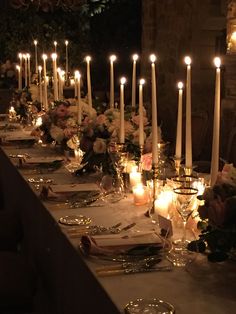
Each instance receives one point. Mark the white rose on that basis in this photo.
(57, 133)
(99, 146)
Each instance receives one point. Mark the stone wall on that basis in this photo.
(173, 29)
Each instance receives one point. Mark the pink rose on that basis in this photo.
(146, 161)
(101, 119)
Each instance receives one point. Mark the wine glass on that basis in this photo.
(111, 189)
(184, 198)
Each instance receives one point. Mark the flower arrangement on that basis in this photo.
(218, 218)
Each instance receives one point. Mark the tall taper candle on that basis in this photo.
(45, 82)
(112, 97)
(20, 75)
(178, 145)
(55, 81)
(155, 139)
(67, 61)
(141, 126)
(76, 83)
(29, 70)
(36, 56)
(40, 85)
(18, 70)
(122, 110)
(133, 99)
(88, 59)
(188, 131)
(79, 109)
(26, 70)
(216, 126)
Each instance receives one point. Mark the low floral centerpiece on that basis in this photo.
(218, 218)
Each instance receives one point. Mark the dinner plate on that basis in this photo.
(75, 220)
(149, 306)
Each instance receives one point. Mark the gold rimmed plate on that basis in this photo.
(75, 220)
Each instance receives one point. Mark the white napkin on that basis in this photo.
(42, 160)
(83, 187)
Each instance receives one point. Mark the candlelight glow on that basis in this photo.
(233, 36)
(217, 62)
(55, 43)
(153, 58)
(39, 122)
(88, 59)
(54, 56)
(35, 42)
(180, 85)
(28, 55)
(135, 57)
(44, 57)
(187, 60)
(66, 42)
(112, 58)
(77, 75)
(142, 81)
(18, 67)
(123, 80)
(20, 55)
(39, 68)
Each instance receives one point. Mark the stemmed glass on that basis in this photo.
(184, 198)
(118, 156)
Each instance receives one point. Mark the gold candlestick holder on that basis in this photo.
(188, 171)
(177, 161)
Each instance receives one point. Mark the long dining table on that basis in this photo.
(68, 281)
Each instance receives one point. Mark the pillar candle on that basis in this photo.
(133, 101)
(141, 126)
(178, 146)
(26, 70)
(29, 70)
(135, 177)
(55, 82)
(122, 110)
(20, 72)
(188, 139)
(55, 46)
(112, 97)
(216, 126)
(154, 113)
(67, 61)
(45, 82)
(88, 59)
(40, 85)
(36, 56)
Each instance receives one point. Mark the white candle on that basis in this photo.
(67, 61)
(55, 82)
(135, 177)
(122, 110)
(178, 146)
(112, 97)
(141, 195)
(45, 82)
(216, 126)
(60, 94)
(55, 46)
(164, 202)
(88, 59)
(133, 101)
(154, 113)
(40, 85)
(26, 70)
(36, 56)
(29, 71)
(20, 72)
(188, 140)
(141, 126)
(79, 111)
(75, 84)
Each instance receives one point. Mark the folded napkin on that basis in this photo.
(82, 187)
(118, 243)
(42, 160)
(22, 137)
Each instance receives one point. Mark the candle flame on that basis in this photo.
(233, 36)
(39, 68)
(217, 62)
(20, 55)
(18, 67)
(113, 58)
(55, 43)
(59, 70)
(187, 60)
(66, 42)
(28, 55)
(180, 85)
(88, 59)
(153, 58)
(142, 81)
(122, 80)
(54, 56)
(77, 75)
(135, 57)
(35, 42)
(44, 57)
